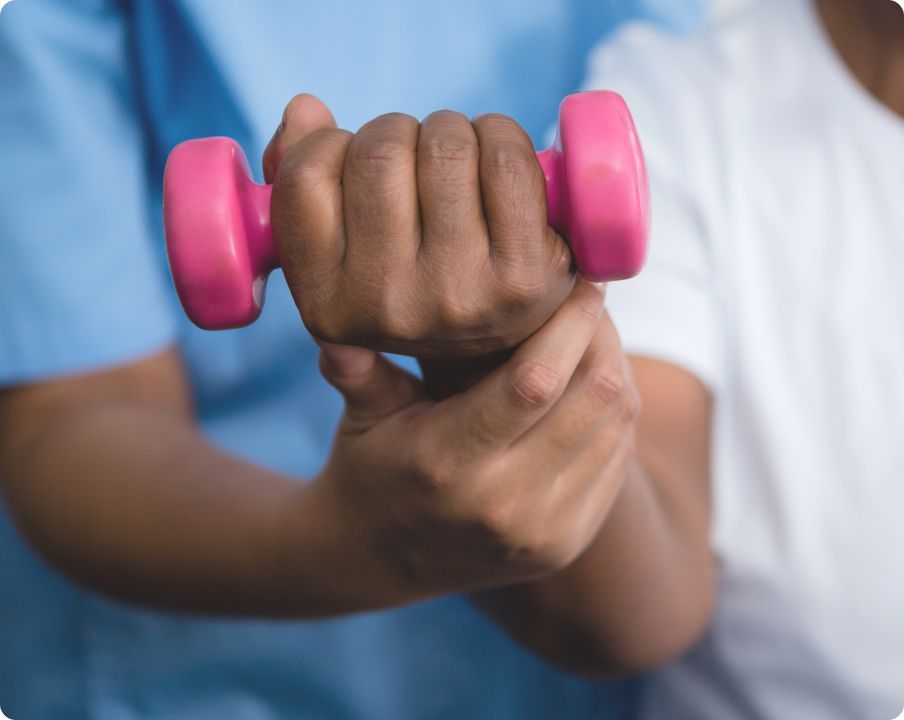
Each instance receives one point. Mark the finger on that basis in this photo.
(511, 400)
(307, 220)
(600, 393)
(584, 493)
(372, 386)
(382, 217)
(452, 222)
(303, 115)
(605, 472)
(593, 483)
(513, 189)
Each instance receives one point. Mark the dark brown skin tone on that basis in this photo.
(428, 239)
(643, 591)
(653, 546)
(542, 476)
(506, 482)
(869, 36)
(108, 478)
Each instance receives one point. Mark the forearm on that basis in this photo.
(638, 596)
(134, 503)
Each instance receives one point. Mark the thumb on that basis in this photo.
(373, 387)
(303, 115)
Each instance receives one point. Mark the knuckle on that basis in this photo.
(447, 116)
(393, 317)
(461, 310)
(449, 148)
(528, 542)
(430, 470)
(525, 277)
(309, 163)
(326, 312)
(525, 249)
(398, 122)
(630, 405)
(612, 388)
(496, 522)
(496, 125)
(506, 159)
(381, 147)
(534, 385)
(521, 289)
(377, 153)
(561, 259)
(298, 175)
(322, 323)
(551, 553)
(607, 385)
(544, 548)
(457, 316)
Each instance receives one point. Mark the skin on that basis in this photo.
(503, 483)
(664, 575)
(576, 519)
(427, 239)
(613, 612)
(869, 37)
(108, 477)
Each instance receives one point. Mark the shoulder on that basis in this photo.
(706, 102)
(746, 44)
(688, 86)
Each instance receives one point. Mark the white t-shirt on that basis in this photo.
(776, 275)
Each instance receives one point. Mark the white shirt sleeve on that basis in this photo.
(669, 312)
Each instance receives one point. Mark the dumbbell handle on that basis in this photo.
(221, 248)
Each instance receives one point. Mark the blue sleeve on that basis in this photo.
(81, 285)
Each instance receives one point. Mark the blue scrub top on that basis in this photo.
(93, 94)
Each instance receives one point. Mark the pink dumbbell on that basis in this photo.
(221, 247)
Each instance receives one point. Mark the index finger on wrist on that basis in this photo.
(512, 399)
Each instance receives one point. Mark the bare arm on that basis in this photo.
(500, 483)
(109, 479)
(643, 591)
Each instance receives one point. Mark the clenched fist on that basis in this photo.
(428, 239)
